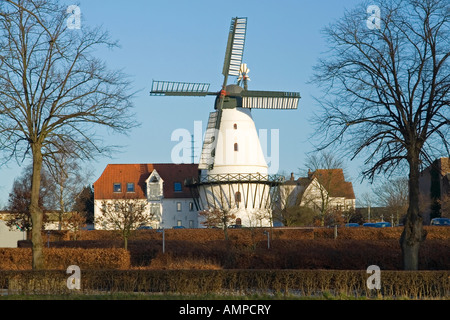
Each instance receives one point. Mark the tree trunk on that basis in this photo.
(413, 233)
(61, 206)
(225, 232)
(35, 210)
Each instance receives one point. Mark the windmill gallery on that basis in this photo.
(232, 174)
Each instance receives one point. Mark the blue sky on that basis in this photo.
(185, 41)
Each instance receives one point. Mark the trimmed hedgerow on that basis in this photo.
(394, 284)
(341, 254)
(61, 258)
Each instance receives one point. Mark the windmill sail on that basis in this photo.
(171, 88)
(235, 47)
(209, 143)
(270, 100)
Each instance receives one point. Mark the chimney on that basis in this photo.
(309, 173)
(292, 176)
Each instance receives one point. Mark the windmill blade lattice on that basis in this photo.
(269, 99)
(171, 88)
(235, 47)
(209, 142)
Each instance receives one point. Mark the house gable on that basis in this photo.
(154, 186)
(333, 181)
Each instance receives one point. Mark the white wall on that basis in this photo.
(169, 214)
(9, 238)
(249, 158)
(98, 211)
(171, 217)
(254, 195)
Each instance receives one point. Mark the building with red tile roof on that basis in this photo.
(160, 187)
(322, 190)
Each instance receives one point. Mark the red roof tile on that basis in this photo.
(334, 182)
(137, 174)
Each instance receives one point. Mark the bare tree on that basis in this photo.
(323, 166)
(54, 91)
(124, 215)
(20, 197)
(386, 94)
(68, 178)
(445, 206)
(296, 205)
(367, 199)
(218, 218)
(74, 222)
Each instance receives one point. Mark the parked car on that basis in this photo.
(382, 224)
(145, 228)
(352, 224)
(178, 227)
(235, 226)
(440, 222)
(369, 224)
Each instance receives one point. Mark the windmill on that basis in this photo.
(232, 163)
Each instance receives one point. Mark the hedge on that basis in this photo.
(340, 254)
(61, 258)
(394, 284)
(250, 235)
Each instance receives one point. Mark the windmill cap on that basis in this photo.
(231, 102)
(234, 89)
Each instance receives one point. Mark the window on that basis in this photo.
(155, 210)
(235, 126)
(191, 206)
(178, 206)
(130, 187)
(179, 223)
(117, 187)
(177, 187)
(235, 147)
(191, 223)
(154, 191)
(237, 197)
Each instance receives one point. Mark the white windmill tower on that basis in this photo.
(233, 173)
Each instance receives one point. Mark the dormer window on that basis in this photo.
(117, 187)
(153, 191)
(154, 187)
(130, 187)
